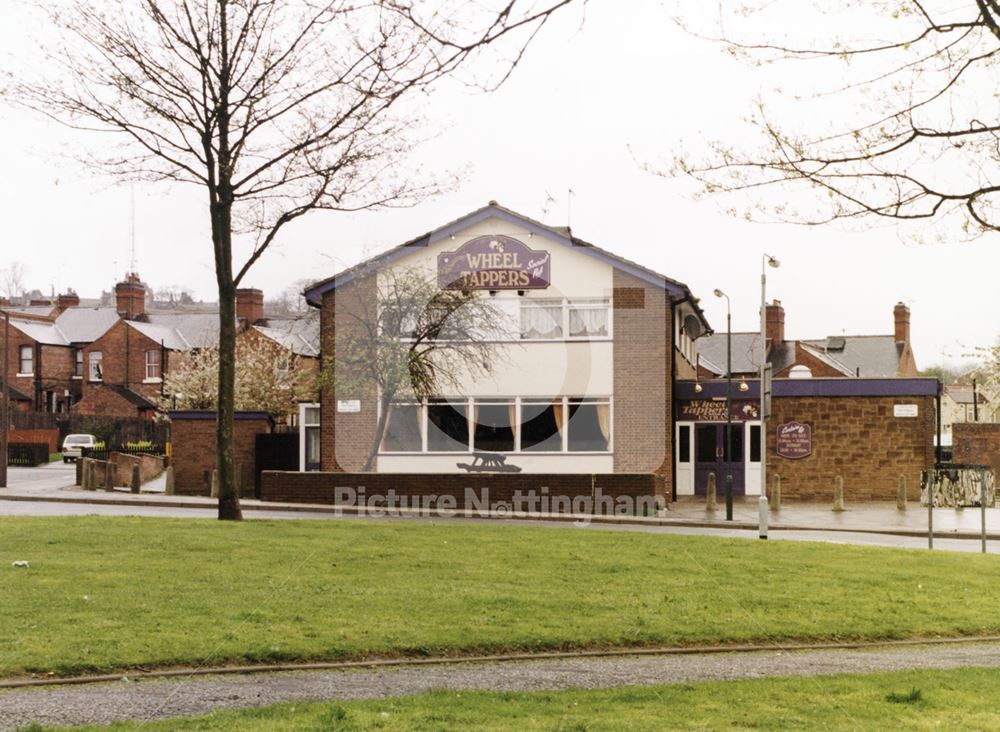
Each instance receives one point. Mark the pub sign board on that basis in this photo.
(794, 440)
(494, 262)
(711, 410)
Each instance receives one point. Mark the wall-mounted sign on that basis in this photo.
(904, 410)
(351, 406)
(495, 262)
(711, 410)
(794, 440)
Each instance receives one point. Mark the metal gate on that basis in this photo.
(275, 451)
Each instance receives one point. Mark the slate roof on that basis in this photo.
(86, 325)
(962, 394)
(17, 395)
(42, 331)
(300, 335)
(195, 330)
(132, 397)
(170, 337)
(875, 356)
(865, 356)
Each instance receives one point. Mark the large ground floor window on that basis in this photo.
(507, 424)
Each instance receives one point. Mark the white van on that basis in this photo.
(74, 444)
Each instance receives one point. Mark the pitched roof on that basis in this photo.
(962, 394)
(17, 395)
(42, 331)
(875, 356)
(865, 356)
(164, 334)
(300, 334)
(134, 398)
(194, 330)
(677, 290)
(86, 325)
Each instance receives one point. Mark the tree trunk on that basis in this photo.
(383, 418)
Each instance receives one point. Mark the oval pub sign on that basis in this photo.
(494, 262)
(794, 440)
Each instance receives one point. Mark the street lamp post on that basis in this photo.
(729, 407)
(766, 261)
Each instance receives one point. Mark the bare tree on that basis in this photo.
(908, 131)
(411, 340)
(274, 109)
(12, 280)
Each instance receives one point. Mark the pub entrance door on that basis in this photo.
(710, 457)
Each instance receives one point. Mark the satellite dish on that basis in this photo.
(692, 327)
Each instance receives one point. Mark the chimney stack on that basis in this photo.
(901, 314)
(130, 297)
(250, 305)
(774, 322)
(67, 300)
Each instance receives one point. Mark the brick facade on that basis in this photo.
(857, 438)
(51, 374)
(490, 489)
(977, 443)
(643, 378)
(345, 438)
(192, 438)
(123, 363)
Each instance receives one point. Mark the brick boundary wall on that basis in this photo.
(498, 489)
(976, 442)
(858, 438)
(50, 437)
(193, 448)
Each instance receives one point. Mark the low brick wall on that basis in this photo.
(193, 448)
(627, 493)
(150, 466)
(49, 437)
(977, 443)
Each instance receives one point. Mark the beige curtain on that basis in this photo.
(512, 413)
(473, 415)
(604, 420)
(557, 410)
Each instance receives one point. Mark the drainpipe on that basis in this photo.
(940, 447)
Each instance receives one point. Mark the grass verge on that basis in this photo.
(103, 594)
(912, 700)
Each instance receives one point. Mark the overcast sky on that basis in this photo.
(594, 99)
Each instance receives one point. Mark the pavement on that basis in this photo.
(192, 695)
(49, 490)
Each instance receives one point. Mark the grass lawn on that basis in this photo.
(112, 593)
(910, 700)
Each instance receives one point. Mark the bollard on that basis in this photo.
(982, 505)
(930, 511)
(838, 493)
(710, 493)
(135, 483)
(169, 488)
(109, 476)
(762, 516)
(776, 493)
(901, 494)
(215, 484)
(86, 480)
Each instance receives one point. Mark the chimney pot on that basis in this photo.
(250, 305)
(774, 323)
(901, 316)
(130, 297)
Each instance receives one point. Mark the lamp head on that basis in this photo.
(773, 262)
(719, 293)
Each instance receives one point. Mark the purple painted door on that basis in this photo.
(710, 457)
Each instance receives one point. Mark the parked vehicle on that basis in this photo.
(73, 445)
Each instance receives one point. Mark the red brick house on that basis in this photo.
(865, 356)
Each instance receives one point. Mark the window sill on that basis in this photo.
(96, 381)
(23, 376)
(154, 380)
(77, 378)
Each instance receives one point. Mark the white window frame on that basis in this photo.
(91, 364)
(159, 367)
(471, 402)
(303, 424)
(78, 365)
(30, 350)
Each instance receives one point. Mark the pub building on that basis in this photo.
(596, 374)
(586, 357)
